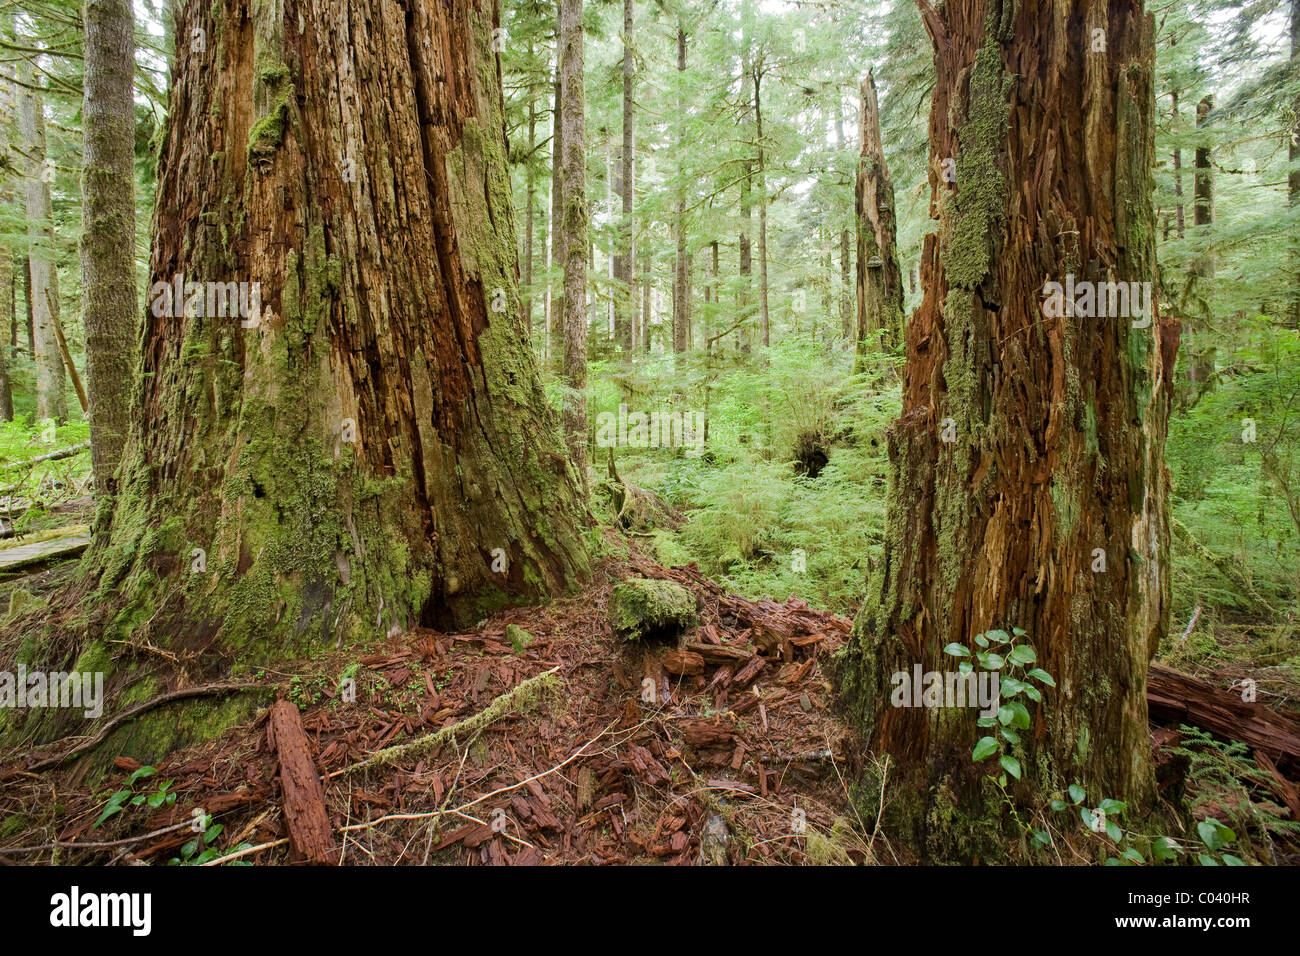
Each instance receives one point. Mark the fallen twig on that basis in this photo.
(502, 705)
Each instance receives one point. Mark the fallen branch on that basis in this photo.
(49, 456)
(200, 691)
(67, 355)
(244, 852)
(69, 845)
(515, 698)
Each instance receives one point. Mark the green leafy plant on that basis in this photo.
(203, 849)
(998, 652)
(128, 796)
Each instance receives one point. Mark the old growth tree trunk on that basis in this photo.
(880, 282)
(1057, 424)
(371, 449)
(108, 238)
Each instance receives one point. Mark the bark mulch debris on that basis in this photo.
(538, 737)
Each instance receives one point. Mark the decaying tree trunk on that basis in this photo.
(1028, 488)
(357, 440)
(880, 281)
(108, 292)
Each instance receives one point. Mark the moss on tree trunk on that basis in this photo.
(1026, 442)
(371, 449)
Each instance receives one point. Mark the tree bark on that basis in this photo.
(6, 309)
(108, 239)
(765, 318)
(1057, 424)
(530, 206)
(745, 239)
(8, 304)
(1196, 303)
(1180, 213)
(366, 445)
(573, 201)
(846, 267)
(646, 292)
(51, 402)
(625, 258)
(681, 267)
(880, 281)
(1293, 154)
(555, 328)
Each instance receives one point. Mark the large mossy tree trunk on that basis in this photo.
(371, 450)
(1057, 424)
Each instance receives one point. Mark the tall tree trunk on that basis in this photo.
(765, 317)
(681, 268)
(646, 293)
(573, 202)
(8, 306)
(108, 292)
(27, 307)
(530, 206)
(745, 240)
(51, 402)
(846, 308)
(1293, 153)
(611, 299)
(1196, 302)
(6, 309)
(555, 331)
(365, 445)
(1180, 215)
(880, 281)
(625, 259)
(1057, 425)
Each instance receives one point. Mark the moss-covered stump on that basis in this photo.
(645, 609)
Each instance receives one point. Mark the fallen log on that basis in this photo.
(1176, 697)
(310, 836)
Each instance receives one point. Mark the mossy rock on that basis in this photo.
(642, 609)
(519, 638)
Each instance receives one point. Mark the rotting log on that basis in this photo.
(1172, 696)
(310, 836)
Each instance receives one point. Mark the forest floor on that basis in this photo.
(595, 750)
(740, 760)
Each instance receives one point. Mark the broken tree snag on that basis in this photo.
(1172, 696)
(310, 836)
(1027, 481)
(880, 282)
